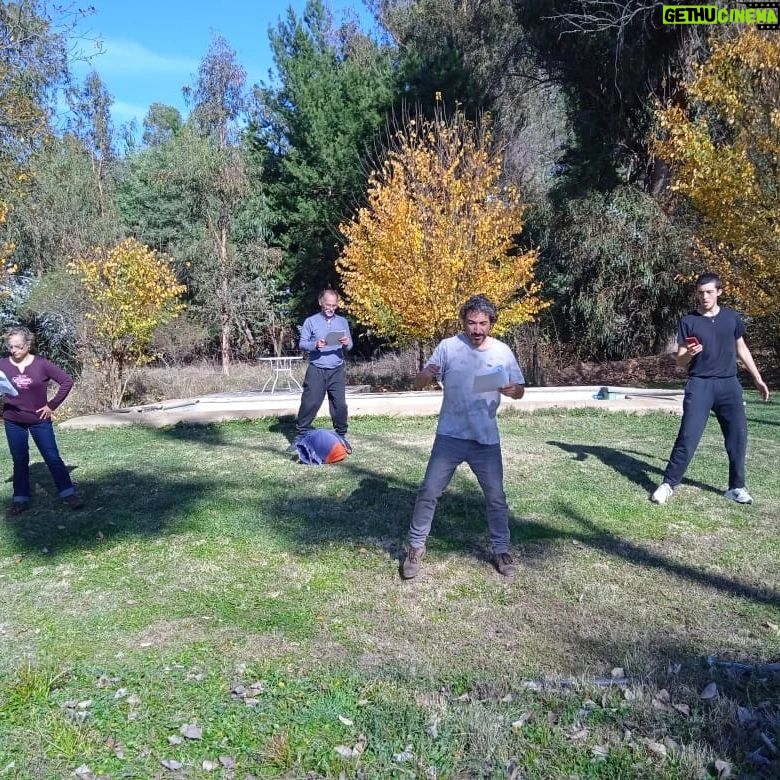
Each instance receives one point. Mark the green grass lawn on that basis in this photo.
(212, 583)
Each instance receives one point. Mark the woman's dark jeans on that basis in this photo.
(18, 443)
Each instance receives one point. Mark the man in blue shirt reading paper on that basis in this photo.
(326, 337)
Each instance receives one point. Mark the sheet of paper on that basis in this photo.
(485, 383)
(6, 388)
(333, 336)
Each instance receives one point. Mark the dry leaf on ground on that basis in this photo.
(407, 754)
(709, 692)
(655, 747)
(518, 724)
(191, 731)
(723, 769)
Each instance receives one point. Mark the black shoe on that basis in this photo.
(347, 445)
(74, 501)
(17, 507)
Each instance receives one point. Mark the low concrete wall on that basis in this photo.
(252, 405)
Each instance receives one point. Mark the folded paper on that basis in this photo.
(491, 381)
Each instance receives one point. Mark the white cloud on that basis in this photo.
(120, 57)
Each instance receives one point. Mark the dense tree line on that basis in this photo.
(247, 195)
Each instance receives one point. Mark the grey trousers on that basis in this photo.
(488, 467)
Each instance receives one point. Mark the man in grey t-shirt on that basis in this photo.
(475, 370)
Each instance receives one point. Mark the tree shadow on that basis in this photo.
(379, 510)
(209, 435)
(121, 504)
(588, 533)
(215, 434)
(285, 424)
(757, 421)
(624, 463)
(40, 478)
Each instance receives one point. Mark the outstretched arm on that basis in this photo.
(743, 353)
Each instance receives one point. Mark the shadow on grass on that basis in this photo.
(633, 469)
(123, 503)
(589, 534)
(758, 421)
(358, 506)
(379, 510)
(380, 507)
(209, 435)
(285, 424)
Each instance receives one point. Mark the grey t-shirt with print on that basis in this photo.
(464, 413)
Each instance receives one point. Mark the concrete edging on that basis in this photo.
(254, 404)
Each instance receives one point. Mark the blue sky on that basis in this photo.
(149, 49)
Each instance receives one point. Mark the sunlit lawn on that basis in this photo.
(211, 582)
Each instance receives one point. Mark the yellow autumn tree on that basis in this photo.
(724, 150)
(7, 268)
(130, 289)
(438, 227)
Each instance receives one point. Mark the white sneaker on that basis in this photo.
(740, 495)
(662, 493)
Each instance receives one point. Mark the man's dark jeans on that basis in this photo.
(43, 436)
(316, 384)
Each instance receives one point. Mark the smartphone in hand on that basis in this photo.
(692, 341)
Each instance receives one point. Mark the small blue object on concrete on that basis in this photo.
(605, 394)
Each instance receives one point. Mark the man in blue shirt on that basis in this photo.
(326, 337)
(709, 341)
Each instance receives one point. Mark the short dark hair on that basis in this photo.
(708, 278)
(479, 303)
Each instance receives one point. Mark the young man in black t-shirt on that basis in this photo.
(709, 341)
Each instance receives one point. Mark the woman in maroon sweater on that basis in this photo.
(30, 413)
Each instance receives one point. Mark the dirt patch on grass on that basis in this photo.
(174, 632)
